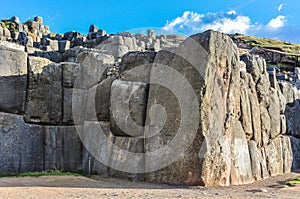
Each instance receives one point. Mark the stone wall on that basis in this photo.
(228, 122)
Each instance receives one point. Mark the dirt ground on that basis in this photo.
(100, 187)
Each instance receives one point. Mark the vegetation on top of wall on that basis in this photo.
(268, 43)
(9, 25)
(52, 36)
(6, 23)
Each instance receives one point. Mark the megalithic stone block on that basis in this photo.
(13, 79)
(128, 102)
(44, 95)
(21, 145)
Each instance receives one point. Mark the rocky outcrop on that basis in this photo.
(244, 132)
(198, 114)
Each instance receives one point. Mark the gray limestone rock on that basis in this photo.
(287, 91)
(258, 162)
(21, 145)
(6, 33)
(44, 94)
(274, 156)
(295, 146)
(15, 19)
(117, 40)
(292, 119)
(205, 61)
(262, 88)
(132, 145)
(70, 72)
(63, 148)
(151, 34)
(265, 125)
(29, 42)
(93, 28)
(246, 118)
(297, 74)
(282, 124)
(241, 172)
(1, 31)
(103, 99)
(252, 66)
(54, 56)
(63, 45)
(287, 154)
(274, 112)
(15, 36)
(136, 66)
(255, 111)
(128, 101)
(13, 79)
(129, 42)
(93, 66)
(38, 19)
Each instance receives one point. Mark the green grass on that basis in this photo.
(293, 182)
(44, 173)
(269, 43)
(9, 25)
(6, 24)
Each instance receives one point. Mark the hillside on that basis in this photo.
(251, 41)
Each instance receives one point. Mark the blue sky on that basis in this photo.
(265, 18)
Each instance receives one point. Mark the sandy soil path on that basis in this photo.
(99, 187)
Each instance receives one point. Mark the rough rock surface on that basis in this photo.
(197, 114)
(13, 79)
(128, 108)
(44, 94)
(62, 148)
(21, 145)
(93, 66)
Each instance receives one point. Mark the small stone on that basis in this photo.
(38, 19)
(114, 194)
(257, 190)
(264, 190)
(93, 28)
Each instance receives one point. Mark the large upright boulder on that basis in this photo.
(208, 60)
(274, 112)
(44, 95)
(93, 67)
(62, 148)
(13, 79)
(128, 108)
(136, 66)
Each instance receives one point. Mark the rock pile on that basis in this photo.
(227, 123)
(28, 34)
(38, 39)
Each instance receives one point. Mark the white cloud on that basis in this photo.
(240, 24)
(280, 7)
(277, 22)
(231, 22)
(226, 22)
(187, 19)
(191, 22)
